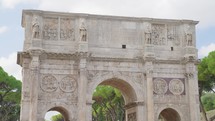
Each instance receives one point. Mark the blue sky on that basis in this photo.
(12, 34)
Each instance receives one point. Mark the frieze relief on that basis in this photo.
(50, 29)
(169, 86)
(172, 35)
(67, 29)
(158, 34)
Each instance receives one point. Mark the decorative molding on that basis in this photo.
(134, 104)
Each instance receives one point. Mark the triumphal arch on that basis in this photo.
(67, 55)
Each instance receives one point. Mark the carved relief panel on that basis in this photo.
(67, 29)
(158, 34)
(172, 35)
(63, 88)
(132, 117)
(169, 86)
(50, 29)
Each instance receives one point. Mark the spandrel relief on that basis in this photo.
(67, 29)
(50, 29)
(158, 34)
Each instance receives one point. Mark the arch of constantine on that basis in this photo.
(153, 62)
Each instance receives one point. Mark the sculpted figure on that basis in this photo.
(83, 33)
(35, 28)
(189, 39)
(148, 34)
(188, 36)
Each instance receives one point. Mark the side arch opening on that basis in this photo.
(169, 114)
(58, 112)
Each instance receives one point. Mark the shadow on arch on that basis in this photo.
(169, 114)
(123, 86)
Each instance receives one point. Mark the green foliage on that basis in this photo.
(208, 101)
(57, 117)
(206, 73)
(10, 96)
(108, 105)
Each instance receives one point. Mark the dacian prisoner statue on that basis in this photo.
(153, 62)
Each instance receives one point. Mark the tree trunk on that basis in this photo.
(202, 109)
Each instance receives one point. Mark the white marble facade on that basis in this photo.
(153, 62)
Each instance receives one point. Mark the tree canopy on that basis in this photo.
(108, 104)
(10, 96)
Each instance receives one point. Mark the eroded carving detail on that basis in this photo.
(160, 86)
(176, 86)
(148, 33)
(132, 117)
(158, 34)
(35, 28)
(50, 31)
(66, 29)
(83, 32)
(68, 84)
(49, 83)
(172, 35)
(188, 35)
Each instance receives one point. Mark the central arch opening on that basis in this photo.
(110, 98)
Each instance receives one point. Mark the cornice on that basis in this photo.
(111, 17)
(51, 55)
(115, 59)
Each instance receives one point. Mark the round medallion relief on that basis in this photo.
(49, 83)
(176, 86)
(160, 86)
(68, 84)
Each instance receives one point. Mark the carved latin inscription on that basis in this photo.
(68, 84)
(160, 86)
(176, 86)
(49, 83)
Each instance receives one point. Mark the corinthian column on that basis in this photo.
(149, 84)
(34, 80)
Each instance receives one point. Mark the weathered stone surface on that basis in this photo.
(67, 55)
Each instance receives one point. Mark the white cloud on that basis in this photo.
(3, 29)
(201, 10)
(9, 65)
(12, 3)
(204, 51)
(178, 9)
